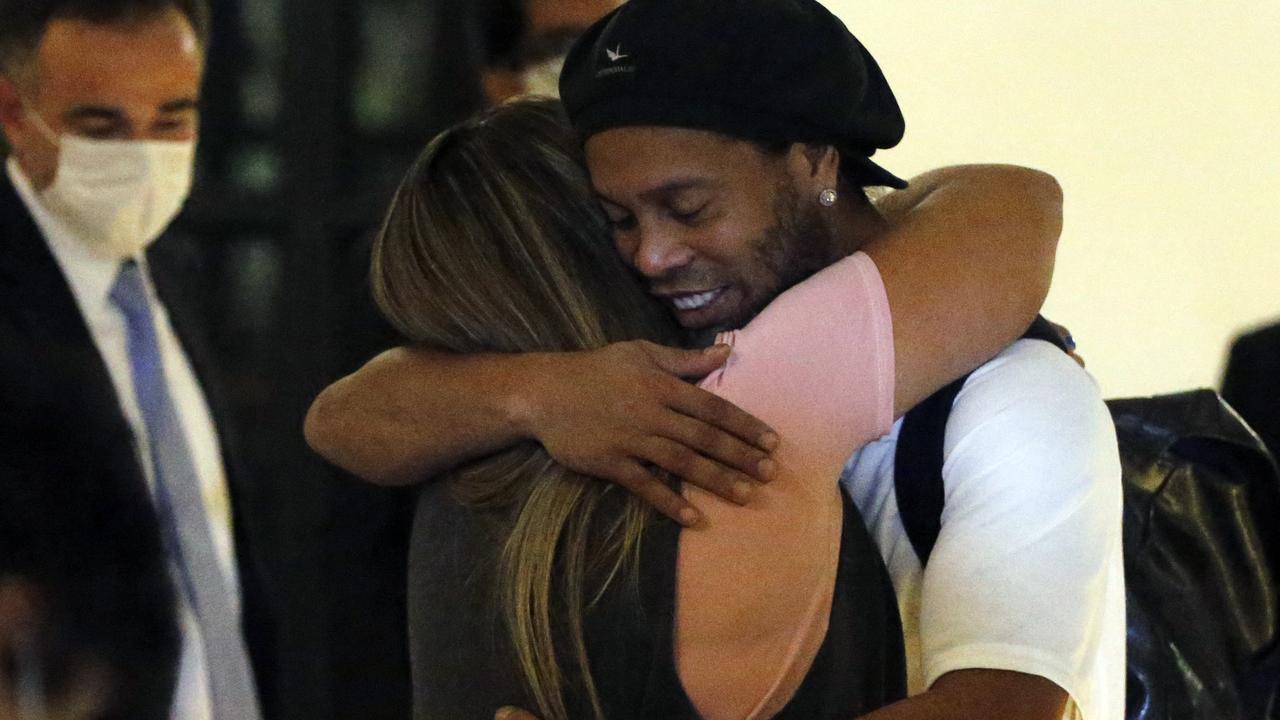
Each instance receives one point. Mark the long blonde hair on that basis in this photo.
(495, 243)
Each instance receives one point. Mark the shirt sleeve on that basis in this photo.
(817, 364)
(1027, 572)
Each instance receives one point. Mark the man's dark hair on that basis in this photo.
(848, 174)
(23, 22)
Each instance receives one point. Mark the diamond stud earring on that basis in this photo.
(827, 197)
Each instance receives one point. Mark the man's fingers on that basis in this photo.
(688, 364)
(705, 406)
(647, 486)
(720, 413)
(691, 467)
(1069, 341)
(720, 446)
(1066, 336)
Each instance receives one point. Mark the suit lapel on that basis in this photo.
(49, 362)
(36, 291)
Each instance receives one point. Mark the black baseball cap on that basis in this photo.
(760, 70)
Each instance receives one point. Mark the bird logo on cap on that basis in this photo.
(615, 55)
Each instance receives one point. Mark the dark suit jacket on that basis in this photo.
(1252, 383)
(47, 352)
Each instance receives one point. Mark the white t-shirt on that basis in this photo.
(1027, 574)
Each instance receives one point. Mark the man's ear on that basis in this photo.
(817, 165)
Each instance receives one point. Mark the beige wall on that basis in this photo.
(1160, 121)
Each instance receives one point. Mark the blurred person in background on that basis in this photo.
(530, 41)
(1252, 382)
(99, 104)
(88, 621)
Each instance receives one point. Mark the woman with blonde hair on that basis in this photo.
(536, 586)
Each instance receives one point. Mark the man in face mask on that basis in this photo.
(98, 101)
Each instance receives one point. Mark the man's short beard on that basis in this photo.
(798, 245)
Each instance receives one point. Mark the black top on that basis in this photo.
(463, 664)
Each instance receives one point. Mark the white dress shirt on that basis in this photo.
(91, 276)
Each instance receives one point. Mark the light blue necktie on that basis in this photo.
(182, 511)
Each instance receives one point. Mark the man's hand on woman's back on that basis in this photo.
(628, 413)
(625, 413)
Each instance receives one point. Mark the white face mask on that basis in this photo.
(117, 196)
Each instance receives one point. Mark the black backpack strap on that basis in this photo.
(1042, 329)
(917, 468)
(917, 462)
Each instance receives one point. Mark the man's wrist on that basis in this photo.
(519, 396)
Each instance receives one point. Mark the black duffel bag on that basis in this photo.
(1201, 547)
